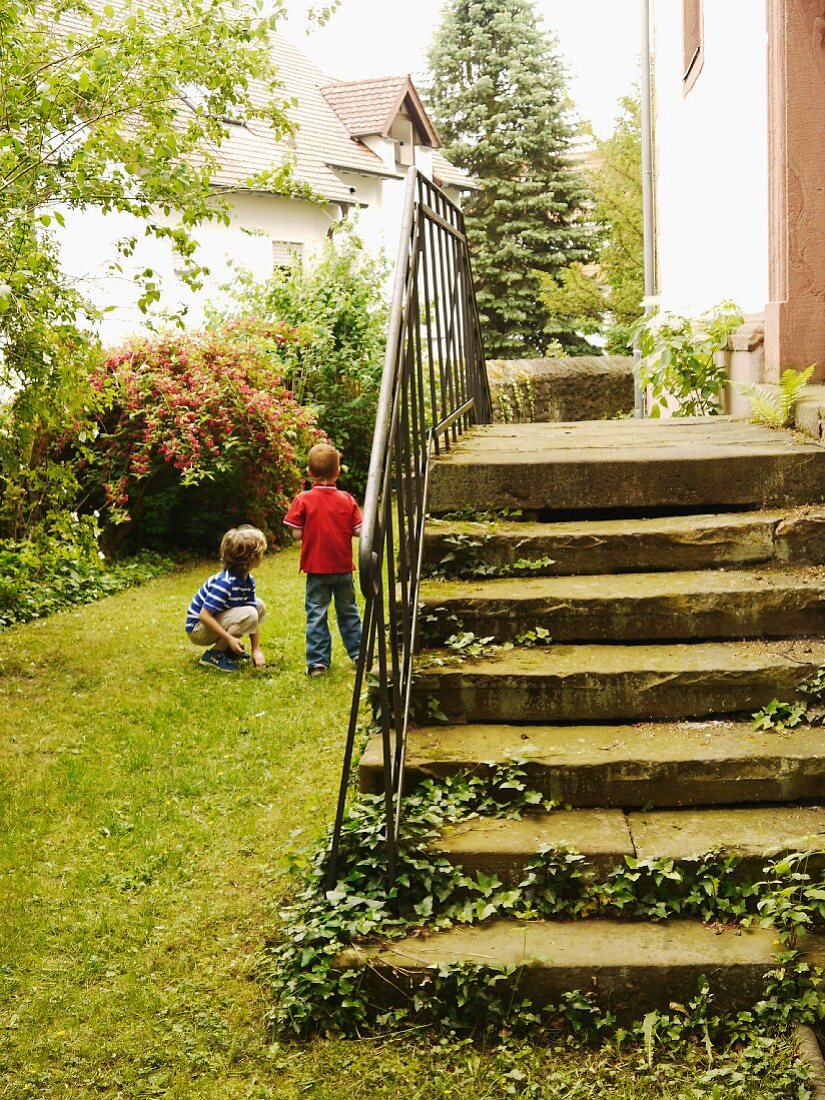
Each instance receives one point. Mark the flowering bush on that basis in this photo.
(336, 300)
(199, 433)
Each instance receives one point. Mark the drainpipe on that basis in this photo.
(647, 195)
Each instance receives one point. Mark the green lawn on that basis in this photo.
(145, 808)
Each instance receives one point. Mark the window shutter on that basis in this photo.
(283, 252)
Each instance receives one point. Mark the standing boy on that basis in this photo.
(326, 519)
(225, 606)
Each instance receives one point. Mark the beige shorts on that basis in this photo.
(236, 621)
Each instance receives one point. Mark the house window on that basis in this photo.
(692, 42)
(283, 252)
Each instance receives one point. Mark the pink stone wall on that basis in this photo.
(795, 314)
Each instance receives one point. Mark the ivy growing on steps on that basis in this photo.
(315, 993)
(810, 711)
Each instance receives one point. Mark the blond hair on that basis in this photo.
(241, 547)
(323, 461)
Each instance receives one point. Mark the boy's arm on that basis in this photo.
(297, 532)
(258, 659)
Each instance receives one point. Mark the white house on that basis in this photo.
(739, 172)
(353, 144)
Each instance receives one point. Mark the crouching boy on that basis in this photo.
(225, 607)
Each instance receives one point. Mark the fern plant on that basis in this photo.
(772, 408)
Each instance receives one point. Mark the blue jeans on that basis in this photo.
(321, 588)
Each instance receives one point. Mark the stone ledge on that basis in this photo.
(582, 387)
(628, 967)
(809, 415)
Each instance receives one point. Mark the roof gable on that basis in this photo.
(370, 107)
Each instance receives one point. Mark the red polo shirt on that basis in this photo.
(328, 518)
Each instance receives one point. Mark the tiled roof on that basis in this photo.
(447, 174)
(320, 139)
(325, 115)
(367, 106)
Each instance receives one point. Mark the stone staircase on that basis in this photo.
(682, 586)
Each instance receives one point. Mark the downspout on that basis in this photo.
(647, 197)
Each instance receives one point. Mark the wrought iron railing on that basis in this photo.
(433, 387)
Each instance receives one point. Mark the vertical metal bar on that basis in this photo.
(434, 329)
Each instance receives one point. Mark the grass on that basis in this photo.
(145, 808)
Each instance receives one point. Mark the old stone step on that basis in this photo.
(778, 603)
(663, 764)
(603, 683)
(754, 832)
(646, 465)
(605, 837)
(730, 540)
(504, 847)
(629, 968)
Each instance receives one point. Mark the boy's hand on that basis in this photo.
(258, 659)
(235, 645)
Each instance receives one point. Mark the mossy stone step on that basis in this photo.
(768, 603)
(753, 832)
(732, 540)
(595, 683)
(505, 847)
(666, 764)
(629, 968)
(646, 465)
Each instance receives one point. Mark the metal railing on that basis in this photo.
(433, 387)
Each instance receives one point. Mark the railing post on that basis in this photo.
(433, 385)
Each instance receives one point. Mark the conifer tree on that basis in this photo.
(497, 93)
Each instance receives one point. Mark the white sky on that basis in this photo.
(599, 40)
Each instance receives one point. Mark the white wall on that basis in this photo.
(711, 159)
(88, 249)
(88, 246)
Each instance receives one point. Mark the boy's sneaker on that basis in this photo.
(316, 670)
(220, 660)
(244, 656)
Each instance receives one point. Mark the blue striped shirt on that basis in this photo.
(222, 591)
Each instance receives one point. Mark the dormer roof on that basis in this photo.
(369, 107)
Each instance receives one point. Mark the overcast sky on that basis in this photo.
(599, 39)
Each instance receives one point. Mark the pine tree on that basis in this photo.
(497, 94)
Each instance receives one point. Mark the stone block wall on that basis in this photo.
(583, 387)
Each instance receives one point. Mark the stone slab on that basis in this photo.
(630, 968)
(769, 603)
(578, 387)
(628, 464)
(586, 683)
(753, 832)
(811, 1055)
(664, 764)
(622, 545)
(809, 412)
(800, 537)
(504, 847)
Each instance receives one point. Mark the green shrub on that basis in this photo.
(199, 433)
(61, 567)
(336, 302)
(679, 359)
